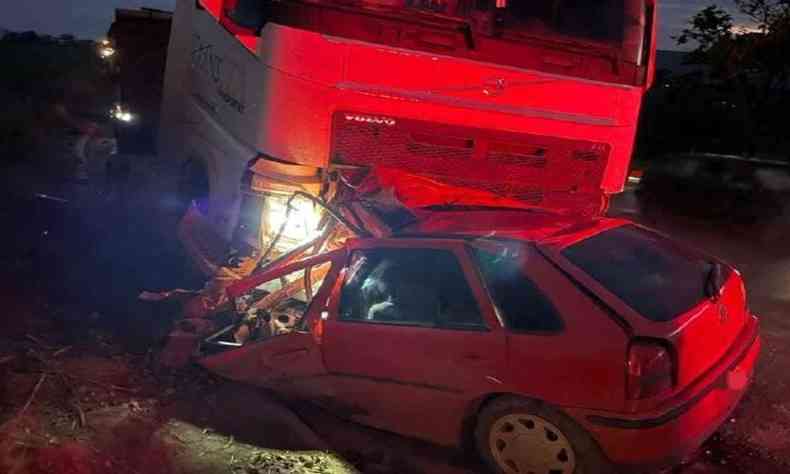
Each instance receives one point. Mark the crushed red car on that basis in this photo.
(556, 343)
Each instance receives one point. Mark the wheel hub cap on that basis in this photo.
(527, 444)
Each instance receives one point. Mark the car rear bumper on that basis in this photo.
(640, 444)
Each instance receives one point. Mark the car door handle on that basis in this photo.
(471, 358)
(289, 355)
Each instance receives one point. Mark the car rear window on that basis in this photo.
(650, 273)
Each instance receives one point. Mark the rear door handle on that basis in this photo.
(289, 355)
(472, 359)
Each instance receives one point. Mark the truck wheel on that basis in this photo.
(519, 436)
(193, 186)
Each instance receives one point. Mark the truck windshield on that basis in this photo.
(604, 40)
(601, 20)
(606, 21)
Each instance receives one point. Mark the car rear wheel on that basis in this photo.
(519, 436)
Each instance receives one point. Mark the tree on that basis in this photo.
(709, 29)
(767, 14)
(755, 64)
(730, 52)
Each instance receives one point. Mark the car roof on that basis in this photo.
(518, 224)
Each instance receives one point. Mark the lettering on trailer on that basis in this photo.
(227, 76)
(371, 119)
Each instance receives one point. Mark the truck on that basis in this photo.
(270, 110)
(536, 101)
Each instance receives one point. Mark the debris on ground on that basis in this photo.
(77, 409)
(165, 295)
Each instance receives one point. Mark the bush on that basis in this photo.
(36, 73)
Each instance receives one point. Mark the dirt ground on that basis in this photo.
(80, 391)
(81, 394)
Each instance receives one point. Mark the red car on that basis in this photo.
(554, 344)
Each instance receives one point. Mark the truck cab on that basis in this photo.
(537, 102)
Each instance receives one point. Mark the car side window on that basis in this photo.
(413, 287)
(518, 300)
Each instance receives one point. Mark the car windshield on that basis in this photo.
(650, 273)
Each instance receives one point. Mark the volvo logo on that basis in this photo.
(371, 119)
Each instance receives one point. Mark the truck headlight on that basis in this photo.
(303, 220)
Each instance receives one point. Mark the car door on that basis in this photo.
(411, 340)
(282, 353)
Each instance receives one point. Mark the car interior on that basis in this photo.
(273, 308)
(415, 287)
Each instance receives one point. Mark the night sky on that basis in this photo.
(91, 18)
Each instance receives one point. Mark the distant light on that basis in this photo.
(104, 42)
(747, 30)
(121, 114)
(635, 177)
(106, 52)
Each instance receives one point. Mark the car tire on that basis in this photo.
(549, 441)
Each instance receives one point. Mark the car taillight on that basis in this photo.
(650, 370)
